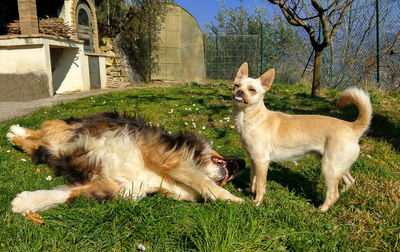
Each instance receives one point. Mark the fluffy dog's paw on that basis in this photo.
(239, 200)
(18, 130)
(22, 203)
(40, 200)
(235, 199)
(10, 136)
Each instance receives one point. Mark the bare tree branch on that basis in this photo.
(390, 47)
(330, 19)
(341, 17)
(293, 18)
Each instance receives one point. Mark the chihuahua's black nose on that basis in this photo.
(239, 93)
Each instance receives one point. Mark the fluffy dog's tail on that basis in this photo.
(361, 99)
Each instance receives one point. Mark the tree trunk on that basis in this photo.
(317, 73)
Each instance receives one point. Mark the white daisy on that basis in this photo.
(141, 247)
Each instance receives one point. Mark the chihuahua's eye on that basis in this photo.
(236, 85)
(252, 90)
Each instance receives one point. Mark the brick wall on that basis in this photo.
(28, 17)
(94, 22)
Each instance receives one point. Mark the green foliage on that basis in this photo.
(136, 25)
(366, 218)
(235, 21)
(110, 15)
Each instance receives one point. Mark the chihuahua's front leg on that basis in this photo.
(253, 177)
(261, 170)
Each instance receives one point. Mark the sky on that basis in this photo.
(205, 11)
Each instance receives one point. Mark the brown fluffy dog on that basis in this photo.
(274, 136)
(109, 154)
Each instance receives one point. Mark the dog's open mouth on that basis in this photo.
(232, 166)
(223, 164)
(239, 99)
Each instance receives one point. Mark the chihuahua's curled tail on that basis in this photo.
(361, 99)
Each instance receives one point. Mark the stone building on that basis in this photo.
(35, 64)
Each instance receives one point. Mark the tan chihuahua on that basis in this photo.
(270, 136)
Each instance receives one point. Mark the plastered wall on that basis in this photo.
(180, 51)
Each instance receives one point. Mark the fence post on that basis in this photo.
(216, 47)
(377, 42)
(205, 56)
(261, 45)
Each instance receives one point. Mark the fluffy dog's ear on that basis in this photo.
(267, 78)
(243, 71)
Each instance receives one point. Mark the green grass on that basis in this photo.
(365, 218)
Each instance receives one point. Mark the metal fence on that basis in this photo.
(367, 47)
(366, 50)
(224, 54)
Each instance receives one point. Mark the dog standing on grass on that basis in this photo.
(270, 136)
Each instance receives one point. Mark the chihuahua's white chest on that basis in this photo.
(249, 131)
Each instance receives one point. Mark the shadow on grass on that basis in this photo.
(312, 105)
(294, 181)
(152, 98)
(383, 128)
(297, 183)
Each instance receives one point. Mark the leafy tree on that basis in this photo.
(235, 21)
(135, 25)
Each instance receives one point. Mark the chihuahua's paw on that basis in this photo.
(10, 137)
(250, 190)
(324, 208)
(18, 130)
(257, 202)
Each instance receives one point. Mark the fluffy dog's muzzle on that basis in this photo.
(232, 165)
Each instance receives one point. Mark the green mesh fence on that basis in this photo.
(352, 59)
(390, 44)
(225, 53)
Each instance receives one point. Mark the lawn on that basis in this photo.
(366, 217)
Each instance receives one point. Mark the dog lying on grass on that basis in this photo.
(270, 136)
(109, 154)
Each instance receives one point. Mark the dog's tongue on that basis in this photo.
(226, 175)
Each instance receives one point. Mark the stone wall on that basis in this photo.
(115, 71)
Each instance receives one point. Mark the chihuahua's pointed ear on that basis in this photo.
(267, 78)
(243, 71)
